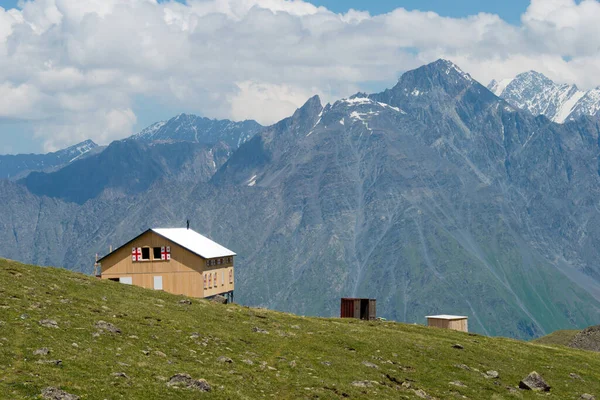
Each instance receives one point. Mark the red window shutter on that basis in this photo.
(204, 281)
(230, 276)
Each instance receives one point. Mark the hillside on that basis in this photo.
(246, 353)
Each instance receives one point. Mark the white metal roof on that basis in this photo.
(446, 317)
(195, 242)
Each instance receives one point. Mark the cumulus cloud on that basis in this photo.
(75, 69)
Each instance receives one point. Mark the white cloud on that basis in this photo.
(76, 69)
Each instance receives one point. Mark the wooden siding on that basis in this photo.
(182, 274)
(455, 324)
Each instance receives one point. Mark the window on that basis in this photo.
(158, 283)
(230, 276)
(156, 253)
(215, 279)
(127, 280)
(222, 278)
(209, 280)
(145, 253)
(219, 261)
(204, 281)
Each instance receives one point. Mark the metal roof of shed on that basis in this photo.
(448, 317)
(194, 242)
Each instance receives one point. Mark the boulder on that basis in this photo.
(492, 374)
(260, 330)
(588, 339)
(186, 302)
(49, 323)
(219, 299)
(224, 359)
(187, 382)
(534, 381)
(52, 393)
(587, 396)
(44, 351)
(107, 326)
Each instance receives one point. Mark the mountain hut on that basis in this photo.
(178, 261)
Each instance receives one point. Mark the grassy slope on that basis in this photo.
(562, 338)
(422, 356)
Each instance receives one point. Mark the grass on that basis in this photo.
(300, 357)
(560, 338)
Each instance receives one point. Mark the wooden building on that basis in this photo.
(358, 308)
(178, 261)
(455, 322)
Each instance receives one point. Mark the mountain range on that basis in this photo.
(434, 196)
(539, 95)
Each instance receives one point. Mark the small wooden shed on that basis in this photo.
(358, 308)
(455, 322)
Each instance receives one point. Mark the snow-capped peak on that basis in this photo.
(536, 93)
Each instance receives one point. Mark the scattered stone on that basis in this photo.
(159, 354)
(575, 376)
(224, 359)
(458, 346)
(107, 326)
(24, 316)
(75, 345)
(44, 351)
(326, 363)
(293, 363)
(58, 363)
(123, 364)
(295, 326)
(363, 384)
(186, 302)
(370, 364)
(260, 330)
(421, 393)
(588, 339)
(586, 396)
(133, 337)
(120, 375)
(52, 393)
(186, 381)
(249, 362)
(49, 323)
(534, 381)
(463, 366)
(492, 374)
(406, 385)
(458, 383)
(219, 299)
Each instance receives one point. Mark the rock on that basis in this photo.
(421, 393)
(224, 359)
(186, 381)
(463, 366)
(58, 363)
(363, 384)
(146, 352)
(534, 381)
(457, 346)
(49, 323)
(75, 345)
(107, 326)
(588, 339)
(249, 362)
(326, 363)
(159, 354)
(295, 326)
(120, 375)
(44, 351)
(24, 316)
(458, 383)
(586, 396)
(293, 363)
(370, 364)
(219, 299)
(492, 374)
(259, 330)
(575, 376)
(52, 393)
(186, 302)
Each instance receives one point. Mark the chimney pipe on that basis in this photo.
(188, 224)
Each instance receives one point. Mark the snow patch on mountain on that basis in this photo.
(539, 95)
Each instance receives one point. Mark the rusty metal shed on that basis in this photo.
(365, 309)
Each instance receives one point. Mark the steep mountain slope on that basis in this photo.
(128, 167)
(537, 94)
(19, 165)
(191, 128)
(146, 337)
(433, 196)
